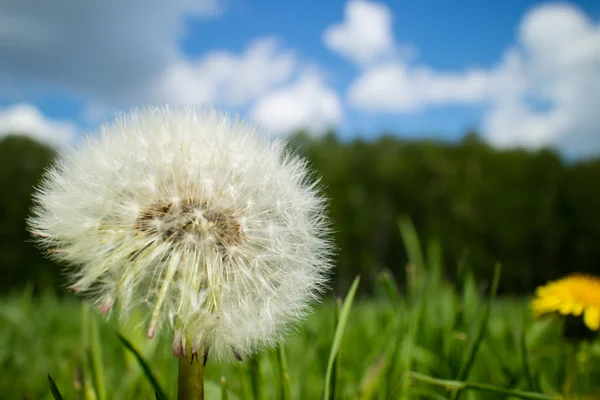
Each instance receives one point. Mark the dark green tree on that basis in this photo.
(534, 212)
(22, 161)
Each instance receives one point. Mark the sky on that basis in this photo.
(522, 73)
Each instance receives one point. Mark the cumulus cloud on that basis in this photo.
(396, 87)
(25, 119)
(306, 104)
(545, 90)
(113, 55)
(559, 58)
(365, 36)
(102, 50)
(226, 78)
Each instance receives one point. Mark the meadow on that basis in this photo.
(427, 340)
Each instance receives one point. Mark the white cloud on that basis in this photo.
(306, 104)
(559, 59)
(25, 119)
(544, 91)
(396, 87)
(365, 36)
(108, 51)
(116, 55)
(226, 78)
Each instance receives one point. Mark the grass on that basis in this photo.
(432, 341)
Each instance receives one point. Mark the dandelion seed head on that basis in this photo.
(215, 230)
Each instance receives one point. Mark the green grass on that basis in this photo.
(432, 341)
(41, 337)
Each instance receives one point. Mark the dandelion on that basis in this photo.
(574, 296)
(216, 231)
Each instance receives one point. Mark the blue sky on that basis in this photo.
(525, 73)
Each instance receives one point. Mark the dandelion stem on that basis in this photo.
(190, 380)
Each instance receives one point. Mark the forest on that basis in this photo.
(533, 211)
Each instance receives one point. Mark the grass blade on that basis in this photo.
(334, 370)
(284, 377)
(386, 279)
(255, 378)
(428, 394)
(531, 385)
(416, 272)
(88, 387)
(95, 354)
(224, 392)
(144, 365)
(392, 367)
(411, 242)
(337, 337)
(371, 379)
(483, 387)
(54, 389)
(474, 345)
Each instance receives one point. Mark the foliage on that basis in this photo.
(533, 211)
(22, 161)
(435, 340)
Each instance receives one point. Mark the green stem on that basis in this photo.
(574, 384)
(284, 376)
(224, 393)
(254, 365)
(453, 385)
(190, 380)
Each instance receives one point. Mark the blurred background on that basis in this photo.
(536, 213)
(478, 120)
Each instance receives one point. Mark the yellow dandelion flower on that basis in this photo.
(574, 295)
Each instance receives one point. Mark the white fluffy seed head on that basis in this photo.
(212, 228)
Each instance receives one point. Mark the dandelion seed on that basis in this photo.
(216, 231)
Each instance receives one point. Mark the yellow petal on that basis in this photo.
(545, 305)
(565, 308)
(577, 309)
(592, 318)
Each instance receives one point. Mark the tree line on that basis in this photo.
(535, 212)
